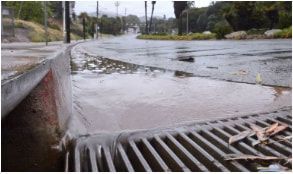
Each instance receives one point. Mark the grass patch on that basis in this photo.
(37, 32)
(285, 33)
(193, 36)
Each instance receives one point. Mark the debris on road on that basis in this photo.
(212, 67)
(241, 136)
(273, 168)
(287, 138)
(241, 72)
(262, 134)
(258, 79)
(250, 157)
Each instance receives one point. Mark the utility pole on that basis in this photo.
(146, 17)
(83, 27)
(125, 22)
(187, 21)
(45, 22)
(117, 5)
(97, 25)
(66, 21)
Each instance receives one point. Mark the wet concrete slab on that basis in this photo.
(112, 96)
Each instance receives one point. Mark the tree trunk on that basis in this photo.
(179, 22)
(146, 18)
(151, 21)
(83, 27)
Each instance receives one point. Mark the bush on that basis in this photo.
(193, 36)
(255, 31)
(285, 33)
(221, 29)
(54, 26)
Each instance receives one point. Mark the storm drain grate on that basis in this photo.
(194, 147)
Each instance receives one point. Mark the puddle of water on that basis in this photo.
(113, 96)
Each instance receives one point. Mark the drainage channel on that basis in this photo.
(195, 147)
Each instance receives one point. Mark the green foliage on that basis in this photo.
(285, 33)
(194, 36)
(255, 31)
(56, 8)
(221, 29)
(285, 19)
(110, 25)
(28, 10)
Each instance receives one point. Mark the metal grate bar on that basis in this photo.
(93, 161)
(242, 146)
(162, 166)
(195, 147)
(124, 158)
(278, 146)
(174, 162)
(213, 163)
(109, 160)
(140, 157)
(264, 149)
(192, 162)
(224, 146)
(233, 165)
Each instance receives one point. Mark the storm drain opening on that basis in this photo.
(200, 147)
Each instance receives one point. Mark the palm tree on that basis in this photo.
(146, 17)
(151, 21)
(179, 7)
(84, 16)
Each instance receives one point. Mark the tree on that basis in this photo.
(110, 25)
(30, 10)
(146, 17)
(56, 8)
(151, 21)
(179, 7)
(272, 14)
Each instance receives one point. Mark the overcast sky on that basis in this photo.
(133, 7)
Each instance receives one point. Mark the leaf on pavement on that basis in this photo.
(260, 133)
(271, 128)
(278, 129)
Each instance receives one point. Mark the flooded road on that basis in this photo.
(111, 95)
(231, 60)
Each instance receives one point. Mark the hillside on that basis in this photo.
(27, 31)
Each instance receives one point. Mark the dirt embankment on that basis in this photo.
(27, 31)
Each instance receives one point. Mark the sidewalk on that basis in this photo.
(17, 58)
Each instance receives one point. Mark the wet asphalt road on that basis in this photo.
(113, 95)
(238, 61)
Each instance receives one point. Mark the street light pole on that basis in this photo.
(117, 5)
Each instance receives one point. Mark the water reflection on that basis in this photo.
(103, 65)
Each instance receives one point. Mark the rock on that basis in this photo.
(271, 33)
(186, 58)
(206, 32)
(236, 35)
